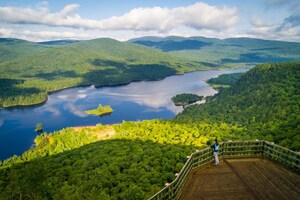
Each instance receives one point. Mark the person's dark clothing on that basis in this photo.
(215, 147)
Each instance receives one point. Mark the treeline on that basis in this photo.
(33, 90)
(158, 131)
(111, 169)
(170, 132)
(226, 79)
(265, 102)
(56, 142)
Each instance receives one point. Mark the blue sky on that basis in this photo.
(123, 20)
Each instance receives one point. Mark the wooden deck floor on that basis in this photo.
(249, 178)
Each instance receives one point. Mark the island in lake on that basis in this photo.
(101, 110)
(186, 99)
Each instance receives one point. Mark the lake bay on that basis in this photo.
(132, 102)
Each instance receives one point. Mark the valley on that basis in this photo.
(157, 100)
(141, 156)
(140, 146)
(29, 71)
(130, 102)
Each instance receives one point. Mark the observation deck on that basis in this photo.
(250, 178)
(247, 170)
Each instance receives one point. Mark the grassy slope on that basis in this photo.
(29, 70)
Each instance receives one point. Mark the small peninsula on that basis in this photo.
(100, 111)
(224, 80)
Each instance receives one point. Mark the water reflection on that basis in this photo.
(135, 101)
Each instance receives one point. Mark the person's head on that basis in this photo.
(216, 141)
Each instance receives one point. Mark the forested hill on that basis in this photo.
(28, 70)
(231, 52)
(142, 156)
(265, 101)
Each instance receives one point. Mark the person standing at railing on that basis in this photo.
(215, 148)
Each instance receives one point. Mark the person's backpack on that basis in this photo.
(216, 147)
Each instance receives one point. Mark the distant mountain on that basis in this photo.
(170, 45)
(174, 43)
(173, 38)
(11, 49)
(231, 52)
(59, 42)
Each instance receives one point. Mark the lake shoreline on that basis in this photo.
(101, 86)
(143, 100)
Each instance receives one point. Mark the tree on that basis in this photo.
(39, 128)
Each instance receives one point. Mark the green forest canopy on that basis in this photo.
(265, 102)
(142, 156)
(225, 80)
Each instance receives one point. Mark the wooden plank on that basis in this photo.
(247, 178)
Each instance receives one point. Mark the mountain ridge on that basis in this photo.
(226, 53)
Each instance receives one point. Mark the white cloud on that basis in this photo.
(258, 22)
(42, 35)
(279, 31)
(48, 108)
(81, 96)
(4, 32)
(197, 16)
(52, 35)
(41, 15)
(39, 23)
(201, 15)
(76, 110)
(63, 97)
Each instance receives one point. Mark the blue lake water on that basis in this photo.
(132, 102)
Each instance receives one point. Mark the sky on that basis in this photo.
(127, 19)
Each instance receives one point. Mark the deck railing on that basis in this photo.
(257, 148)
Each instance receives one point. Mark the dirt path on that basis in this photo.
(102, 134)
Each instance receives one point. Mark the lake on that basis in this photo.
(132, 102)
